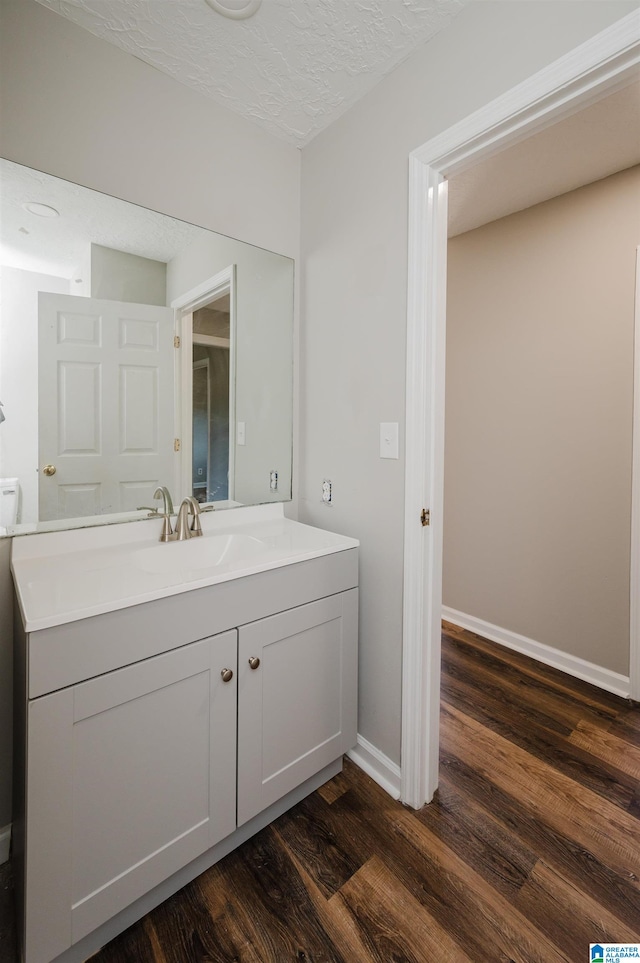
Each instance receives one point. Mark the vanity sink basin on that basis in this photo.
(194, 554)
(62, 577)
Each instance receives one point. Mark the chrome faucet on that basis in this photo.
(188, 507)
(165, 515)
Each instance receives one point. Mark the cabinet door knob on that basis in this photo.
(254, 662)
(227, 675)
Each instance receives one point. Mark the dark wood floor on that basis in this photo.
(530, 851)
(7, 929)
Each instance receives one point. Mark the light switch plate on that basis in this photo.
(389, 439)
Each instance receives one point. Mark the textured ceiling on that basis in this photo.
(292, 68)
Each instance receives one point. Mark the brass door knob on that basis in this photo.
(227, 675)
(254, 662)
(49, 470)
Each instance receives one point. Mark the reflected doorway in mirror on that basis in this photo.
(211, 426)
(206, 325)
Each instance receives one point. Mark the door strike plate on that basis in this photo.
(425, 516)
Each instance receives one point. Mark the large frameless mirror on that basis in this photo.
(136, 350)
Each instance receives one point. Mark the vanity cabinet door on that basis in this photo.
(297, 705)
(131, 775)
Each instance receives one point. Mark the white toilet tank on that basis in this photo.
(8, 502)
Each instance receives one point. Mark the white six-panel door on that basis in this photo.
(105, 383)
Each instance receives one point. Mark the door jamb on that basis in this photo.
(634, 662)
(221, 283)
(607, 62)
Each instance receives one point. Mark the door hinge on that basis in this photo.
(425, 516)
(176, 341)
(176, 444)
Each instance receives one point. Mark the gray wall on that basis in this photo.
(354, 234)
(539, 404)
(118, 276)
(79, 108)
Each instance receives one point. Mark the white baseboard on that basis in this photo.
(5, 841)
(377, 765)
(571, 664)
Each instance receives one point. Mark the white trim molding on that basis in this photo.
(206, 291)
(571, 664)
(368, 758)
(424, 487)
(607, 62)
(634, 626)
(5, 843)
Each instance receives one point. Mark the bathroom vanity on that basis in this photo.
(170, 703)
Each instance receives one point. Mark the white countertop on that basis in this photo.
(65, 576)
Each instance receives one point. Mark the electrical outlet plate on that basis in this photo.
(273, 481)
(327, 492)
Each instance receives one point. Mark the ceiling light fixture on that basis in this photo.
(235, 9)
(40, 210)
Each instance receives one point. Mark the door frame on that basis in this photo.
(607, 62)
(224, 282)
(634, 662)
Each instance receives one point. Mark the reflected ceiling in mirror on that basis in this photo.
(92, 387)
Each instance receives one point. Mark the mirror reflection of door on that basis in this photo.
(105, 385)
(211, 415)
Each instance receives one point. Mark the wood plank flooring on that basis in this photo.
(530, 850)
(7, 927)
